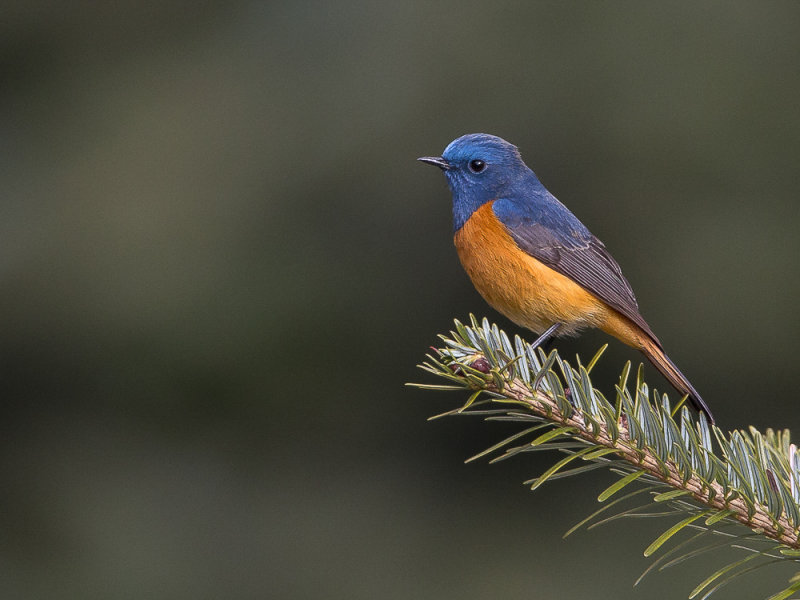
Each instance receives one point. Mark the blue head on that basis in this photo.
(479, 168)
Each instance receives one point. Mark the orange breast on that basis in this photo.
(519, 286)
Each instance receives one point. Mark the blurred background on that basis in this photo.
(220, 263)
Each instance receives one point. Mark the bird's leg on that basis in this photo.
(547, 335)
(545, 339)
(547, 345)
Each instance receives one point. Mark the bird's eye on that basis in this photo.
(477, 165)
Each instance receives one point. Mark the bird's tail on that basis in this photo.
(661, 361)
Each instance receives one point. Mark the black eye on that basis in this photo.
(477, 165)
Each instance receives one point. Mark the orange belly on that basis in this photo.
(519, 286)
(535, 296)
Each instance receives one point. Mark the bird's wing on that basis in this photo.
(584, 259)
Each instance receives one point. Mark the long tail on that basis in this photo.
(661, 361)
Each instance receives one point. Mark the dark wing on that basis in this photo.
(584, 259)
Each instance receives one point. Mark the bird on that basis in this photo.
(536, 262)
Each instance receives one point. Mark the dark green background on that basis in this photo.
(220, 262)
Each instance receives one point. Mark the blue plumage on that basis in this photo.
(522, 200)
(471, 190)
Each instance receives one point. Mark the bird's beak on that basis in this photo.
(436, 161)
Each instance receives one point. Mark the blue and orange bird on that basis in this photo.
(533, 260)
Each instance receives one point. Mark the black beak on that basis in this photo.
(436, 161)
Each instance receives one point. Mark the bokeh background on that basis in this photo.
(220, 262)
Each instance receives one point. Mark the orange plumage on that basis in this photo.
(522, 288)
(535, 296)
(528, 292)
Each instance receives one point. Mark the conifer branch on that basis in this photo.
(710, 494)
(752, 480)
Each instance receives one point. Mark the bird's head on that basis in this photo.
(479, 168)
